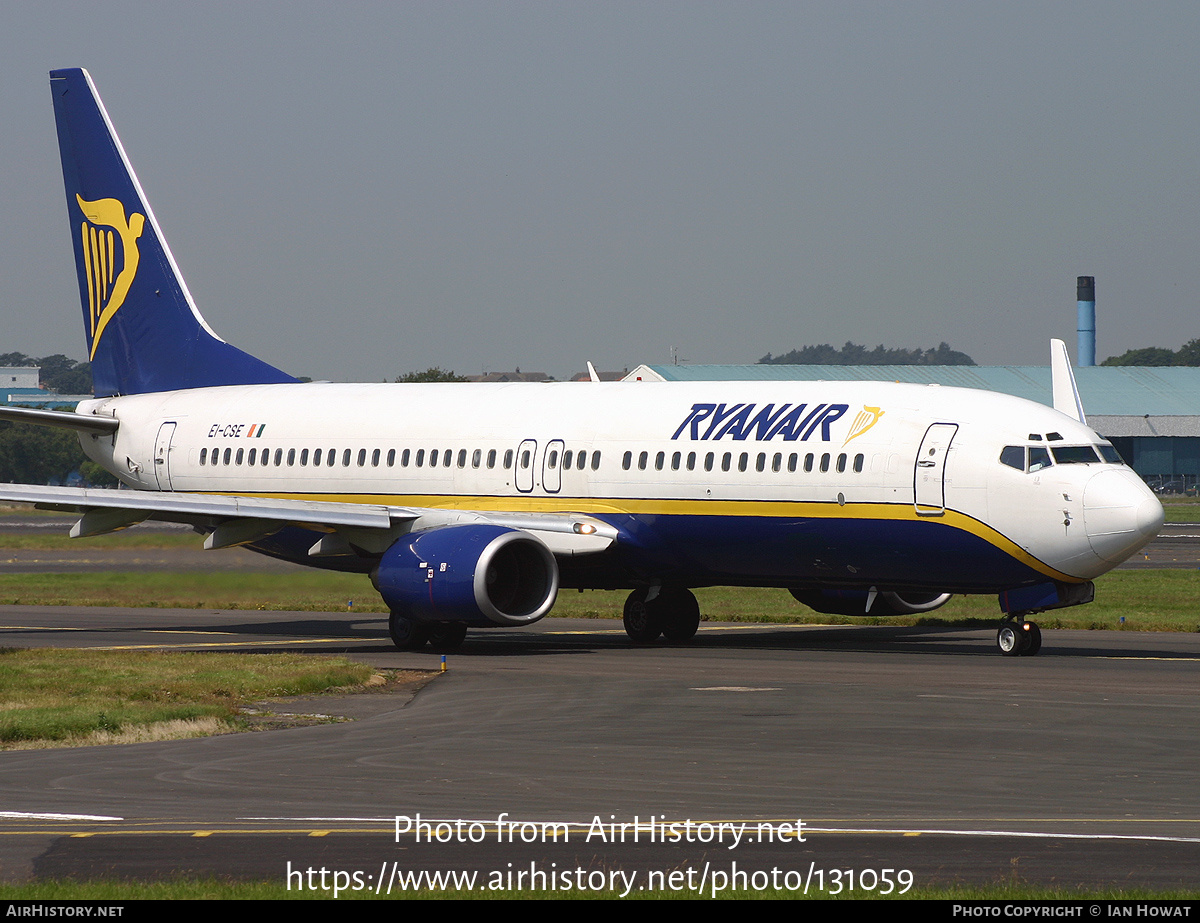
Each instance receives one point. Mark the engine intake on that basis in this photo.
(477, 574)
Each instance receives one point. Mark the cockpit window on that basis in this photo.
(1075, 455)
(1013, 456)
(1039, 458)
(1109, 454)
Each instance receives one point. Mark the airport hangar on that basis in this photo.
(1150, 414)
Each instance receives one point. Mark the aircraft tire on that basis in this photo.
(1035, 640)
(407, 634)
(643, 621)
(445, 637)
(681, 615)
(1011, 640)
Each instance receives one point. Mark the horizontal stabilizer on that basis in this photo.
(97, 426)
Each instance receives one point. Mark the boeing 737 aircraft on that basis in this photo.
(470, 505)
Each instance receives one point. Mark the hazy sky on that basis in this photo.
(356, 190)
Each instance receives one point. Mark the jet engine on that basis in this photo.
(474, 574)
(854, 602)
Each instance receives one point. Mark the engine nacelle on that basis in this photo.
(854, 602)
(477, 574)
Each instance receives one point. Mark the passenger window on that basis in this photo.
(743, 461)
(508, 459)
(304, 457)
(525, 459)
(228, 453)
(476, 458)
(841, 463)
(404, 458)
(291, 457)
(391, 461)
(375, 458)
(433, 458)
(691, 462)
(316, 457)
(595, 461)
(203, 456)
(252, 457)
(777, 462)
(346, 458)
(824, 462)
(858, 463)
(808, 462)
(643, 459)
(420, 458)
(491, 458)
(676, 460)
(792, 461)
(760, 463)
(552, 461)
(708, 462)
(582, 461)
(659, 460)
(362, 457)
(462, 458)
(568, 457)
(726, 461)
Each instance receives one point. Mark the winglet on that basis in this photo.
(1062, 383)
(592, 372)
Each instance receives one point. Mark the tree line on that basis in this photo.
(1188, 354)
(853, 354)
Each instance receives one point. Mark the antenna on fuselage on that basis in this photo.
(1062, 383)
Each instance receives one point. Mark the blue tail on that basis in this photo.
(143, 330)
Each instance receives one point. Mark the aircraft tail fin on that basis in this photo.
(1062, 383)
(143, 330)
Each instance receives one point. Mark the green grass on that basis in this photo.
(1148, 600)
(66, 695)
(1186, 509)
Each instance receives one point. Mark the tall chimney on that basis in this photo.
(1086, 296)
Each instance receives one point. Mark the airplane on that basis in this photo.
(471, 505)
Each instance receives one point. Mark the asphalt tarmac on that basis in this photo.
(562, 751)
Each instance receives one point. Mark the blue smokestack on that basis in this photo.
(1086, 295)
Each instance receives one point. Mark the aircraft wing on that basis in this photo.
(235, 520)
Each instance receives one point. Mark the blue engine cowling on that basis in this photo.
(475, 574)
(854, 602)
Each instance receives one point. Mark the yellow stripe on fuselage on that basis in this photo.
(776, 509)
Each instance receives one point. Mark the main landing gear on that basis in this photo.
(410, 635)
(668, 611)
(1017, 637)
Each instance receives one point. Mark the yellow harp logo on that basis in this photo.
(107, 285)
(867, 417)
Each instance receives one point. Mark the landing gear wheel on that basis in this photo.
(445, 637)
(1011, 640)
(407, 635)
(1035, 639)
(643, 620)
(681, 616)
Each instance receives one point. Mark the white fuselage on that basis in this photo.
(713, 467)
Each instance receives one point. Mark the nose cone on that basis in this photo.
(1120, 514)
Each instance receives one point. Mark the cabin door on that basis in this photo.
(162, 455)
(523, 468)
(552, 467)
(929, 474)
